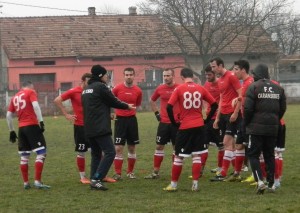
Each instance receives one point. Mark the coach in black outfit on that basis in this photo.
(265, 105)
(97, 100)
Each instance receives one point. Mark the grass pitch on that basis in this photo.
(67, 194)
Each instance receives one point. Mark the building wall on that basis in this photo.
(71, 69)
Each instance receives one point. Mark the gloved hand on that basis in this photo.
(13, 136)
(42, 126)
(157, 115)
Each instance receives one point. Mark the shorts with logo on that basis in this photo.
(81, 142)
(242, 137)
(126, 131)
(213, 135)
(227, 127)
(31, 138)
(190, 141)
(166, 133)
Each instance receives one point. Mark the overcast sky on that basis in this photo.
(21, 8)
(17, 8)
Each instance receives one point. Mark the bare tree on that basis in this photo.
(211, 27)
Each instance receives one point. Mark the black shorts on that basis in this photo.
(227, 127)
(81, 142)
(166, 133)
(31, 138)
(213, 135)
(242, 137)
(280, 142)
(190, 141)
(126, 130)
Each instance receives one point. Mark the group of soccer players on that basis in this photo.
(180, 122)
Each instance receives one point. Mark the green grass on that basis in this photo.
(140, 195)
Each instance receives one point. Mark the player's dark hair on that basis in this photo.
(243, 64)
(85, 76)
(186, 73)
(26, 83)
(218, 61)
(208, 69)
(130, 69)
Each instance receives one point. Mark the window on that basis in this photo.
(102, 59)
(154, 77)
(253, 57)
(154, 57)
(293, 68)
(41, 82)
(65, 86)
(110, 74)
(44, 63)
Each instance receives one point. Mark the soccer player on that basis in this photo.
(190, 138)
(166, 132)
(213, 135)
(81, 143)
(241, 70)
(126, 126)
(97, 100)
(31, 127)
(228, 117)
(265, 105)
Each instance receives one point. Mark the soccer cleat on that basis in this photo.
(260, 189)
(27, 186)
(97, 185)
(109, 180)
(170, 188)
(131, 175)
(215, 170)
(249, 179)
(41, 186)
(195, 187)
(276, 185)
(152, 176)
(253, 184)
(245, 169)
(218, 177)
(117, 177)
(233, 178)
(85, 180)
(271, 189)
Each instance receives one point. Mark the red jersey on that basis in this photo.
(74, 95)
(129, 95)
(164, 92)
(213, 89)
(228, 84)
(190, 97)
(21, 104)
(246, 84)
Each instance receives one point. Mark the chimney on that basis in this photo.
(92, 11)
(132, 11)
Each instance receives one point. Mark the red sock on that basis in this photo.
(118, 163)
(220, 158)
(226, 162)
(157, 159)
(239, 160)
(196, 167)
(233, 159)
(130, 163)
(24, 171)
(38, 170)
(276, 175)
(204, 157)
(280, 166)
(176, 169)
(80, 163)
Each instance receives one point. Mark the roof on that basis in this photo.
(92, 36)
